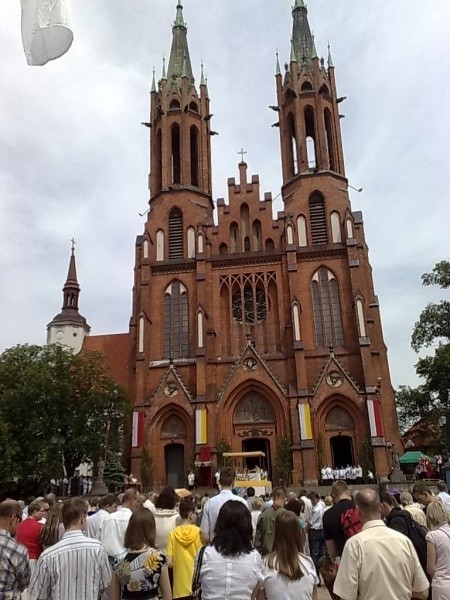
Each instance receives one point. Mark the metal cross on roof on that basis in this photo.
(242, 152)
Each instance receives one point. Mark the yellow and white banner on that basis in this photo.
(201, 436)
(304, 415)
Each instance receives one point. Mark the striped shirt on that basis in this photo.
(14, 567)
(74, 568)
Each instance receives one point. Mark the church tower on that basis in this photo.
(69, 328)
(252, 331)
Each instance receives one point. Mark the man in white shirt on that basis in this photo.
(214, 504)
(443, 494)
(316, 539)
(106, 506)
(113, 527)
(75, 567)
(150, 502)
(303, 495)
(379, 563)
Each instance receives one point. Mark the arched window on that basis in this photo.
(296, 321)
(234, 237)
(335, 227)
(245, 226)
(160, 244)
(289, 234)
(246, 244)
(301, 231)
(349, 227)
(200, 316)
(223, 248)
(145, 249)
(306, 86)
(175, 234)
(194, 155)
(174, 104)
(256, 235)
(289, 95)
(360, 317)
(193, 106)
(310, 131)
(176, 154)
(158, 168)
(292, 147)
(329, 139)
(317, 219)
(176, 321)
(191, 242)
(141, 334)
(326, 309)
(270, 244)
(200, 246)
(324, 90)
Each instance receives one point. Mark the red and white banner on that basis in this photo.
(375, 420)
(137, 431)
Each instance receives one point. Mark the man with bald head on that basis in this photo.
(379, 563)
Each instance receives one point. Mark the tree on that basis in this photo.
(431, 399)
(283, 459)
(114, 473)
(58, 409)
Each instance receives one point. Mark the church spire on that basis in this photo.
(179, 61)
(69, 327)
(302, 40)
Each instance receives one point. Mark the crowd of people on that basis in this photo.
(351, 474)
(275, 547)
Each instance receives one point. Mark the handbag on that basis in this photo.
(196, 584)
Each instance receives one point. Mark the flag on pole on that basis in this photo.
(46, 30)
(374, 410)
(304, 415)
(137, 431)
(201, 436)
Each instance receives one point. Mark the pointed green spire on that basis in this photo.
(202, 77)
(278, 69)
(330, 60)
(302, 39)
(179, 61)
(153, 82)
(163, 76)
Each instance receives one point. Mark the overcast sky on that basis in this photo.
(74, 157)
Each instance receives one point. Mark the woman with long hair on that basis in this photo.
(288, 572)
(166, 515)
(438, 550)
(53, 529)
(231, 569)
(140, 571)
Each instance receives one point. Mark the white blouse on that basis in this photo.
(279, 586)
(230, 577)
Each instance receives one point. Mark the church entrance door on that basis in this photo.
(257, 445)
(174, 454)
(342, 450)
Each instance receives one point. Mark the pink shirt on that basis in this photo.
(440, 537)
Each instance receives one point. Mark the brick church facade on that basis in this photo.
(248, 329)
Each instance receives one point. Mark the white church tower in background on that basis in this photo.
(69, 328)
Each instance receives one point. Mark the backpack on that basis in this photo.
(350, 522)
(417, 534)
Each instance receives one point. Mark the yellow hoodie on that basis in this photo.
(182, 545)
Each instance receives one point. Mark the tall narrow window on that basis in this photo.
(245, 225)
(191, 242)
(335, 227)
(175, 234)
(160, 244)
(360, 316)
(310, 138)
(145, 249)
(296, 321)
(329, 138)
(158, 165)
(301, 231)
(176, 154)
(141, 334)
(194, 155)
(234, 236)
(176, 321)
(200, 343)
(326, 309)
(256, 235)
(289, 234)
(349, 227)
(292, 148)
(317, 219)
